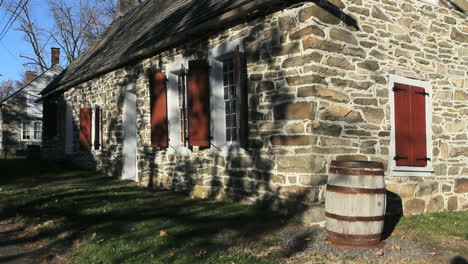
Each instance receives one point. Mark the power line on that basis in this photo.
(12, 19)
(9, 51)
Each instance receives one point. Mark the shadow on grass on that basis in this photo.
(117, 223)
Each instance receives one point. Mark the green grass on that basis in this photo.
(98, 220)
(447, 230)
(443, 223)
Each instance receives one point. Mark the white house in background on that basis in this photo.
(21, 116)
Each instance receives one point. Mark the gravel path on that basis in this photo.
(11, 252)
(396, 250)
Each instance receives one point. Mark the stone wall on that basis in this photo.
(318, 91)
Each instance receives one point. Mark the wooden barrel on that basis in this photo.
(355, 204)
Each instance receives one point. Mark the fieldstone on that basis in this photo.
(350, 83)
(407, 190)
(373, 115)
(337, 3)
(265, 86)
(342, 63)
(356, 52)
(396, 29)
(341, 113)
(332, 141)
(294, 128)
(302, 60)
(377, 13)
(319, 13)
(436, 204)
(286, 23)
(359, 10)
(407, 7)
(252, 52)
(313, 215)
(322, 92)
(452, 203)
(457, 152)
(301, 164)
(327, 129)
(365, 101)
(427, 188)
(264, 164)
(446, 188)
(414, 206)
(440, 169)
(458, 36)
(369, 65)
(377, 54)
(461, 185)
(461, 96)
(306, 79)
(295, 111)
(315, 43)
(241, 162)
(355, 132)
(291, 48)
(324, 71)
(343, 35)
(457, 126)
(313, 180)
(307, 31)
(290, 140)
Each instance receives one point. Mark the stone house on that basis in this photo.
(252, 100)
(21, 116)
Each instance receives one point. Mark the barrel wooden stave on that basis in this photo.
(355, 204)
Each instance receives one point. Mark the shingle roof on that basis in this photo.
(151, 22)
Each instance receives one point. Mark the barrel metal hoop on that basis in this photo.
(354, 218)
(352, 236)
(354, 172)
(358, 244)
(357, 164)
(353, 190)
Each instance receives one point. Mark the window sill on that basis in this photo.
(230, 148)
(406, 171)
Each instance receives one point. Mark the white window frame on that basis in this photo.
(31, 124)
(410, 170)
(219, 145)
(173, 112)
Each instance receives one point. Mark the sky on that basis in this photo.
(13, 45)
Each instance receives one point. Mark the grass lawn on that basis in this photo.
(444, 229)
(83, 217)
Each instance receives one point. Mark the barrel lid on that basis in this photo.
(357, 164)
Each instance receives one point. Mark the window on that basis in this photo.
(228, 82)
(411, 145)
(182, 104)
(38, 130)
(230, 100)
(31, 130)
(90, 128)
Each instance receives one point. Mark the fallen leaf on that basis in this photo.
(327, 242)
(93, 235)
(307, 239)
(379, 253)
(162, 233)
(432, 253)
(171, 254)
(202, 252)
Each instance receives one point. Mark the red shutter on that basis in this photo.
(97, 127)
(418, 125)
(85, 129)
(158, 102)
(403, 135)
(199, 103)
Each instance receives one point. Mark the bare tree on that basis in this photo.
(8, 87)
(76, 25)
(33, 34)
